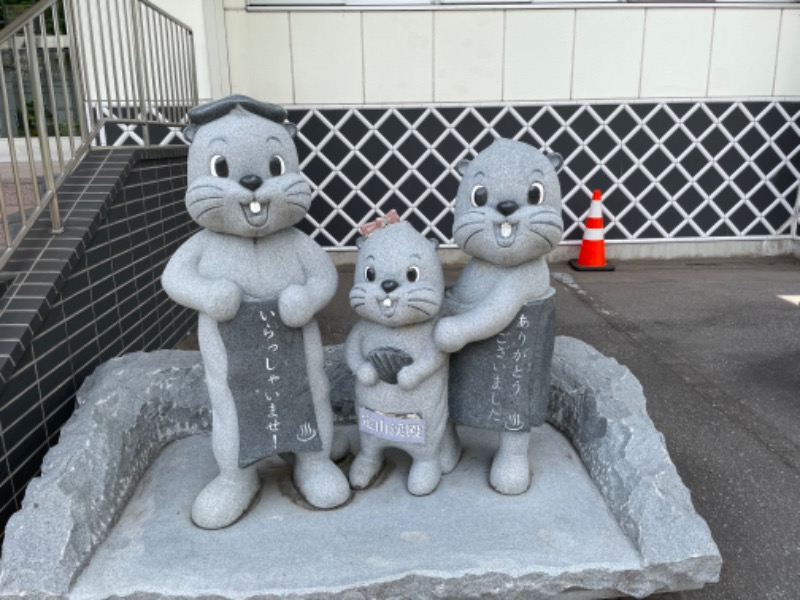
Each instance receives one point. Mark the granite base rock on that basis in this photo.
(133, 406)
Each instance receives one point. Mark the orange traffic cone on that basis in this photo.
(593, 247)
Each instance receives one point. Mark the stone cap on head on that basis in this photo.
(206, 113)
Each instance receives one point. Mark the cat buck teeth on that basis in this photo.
(255, 207)
(506, 229)
(387, 302)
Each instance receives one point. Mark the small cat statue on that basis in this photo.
(507, 218)
(401, 376)
(257, 283)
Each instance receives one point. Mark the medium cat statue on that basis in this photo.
(401, 376)
(257, 283)
(500, 312)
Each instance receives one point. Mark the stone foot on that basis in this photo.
(320, 481)
(226, 498)
(423, 477)
(340, 446)
(363, 471)
(510, 473)
(451, 449)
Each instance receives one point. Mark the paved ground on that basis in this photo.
(718, 353)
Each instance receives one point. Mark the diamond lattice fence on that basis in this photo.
(667, 170)
(676, 170)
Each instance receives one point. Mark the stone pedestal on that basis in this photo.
(607, 514)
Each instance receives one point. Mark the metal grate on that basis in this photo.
(667, 170)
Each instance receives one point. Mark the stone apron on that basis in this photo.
(268, 379)
(503, 383)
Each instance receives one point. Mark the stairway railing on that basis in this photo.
(81, 73)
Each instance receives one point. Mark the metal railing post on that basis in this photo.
(138, 56)
(41, 127)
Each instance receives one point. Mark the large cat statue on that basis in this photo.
(257, 283)
(507, 218)
(401, 376)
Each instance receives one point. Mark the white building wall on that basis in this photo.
(420, 56)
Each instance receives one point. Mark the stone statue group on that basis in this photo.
(424, 357)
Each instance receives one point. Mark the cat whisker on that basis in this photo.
(467, 224)
(355, 305)
(472, 235)
(203, 186)
(424, 312)
(200, 215)
(532, 225)
(295, 184)
(193, 201)
(544, 237)
(303, 206)
(423, 300)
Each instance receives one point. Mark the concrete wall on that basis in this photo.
(421, 56)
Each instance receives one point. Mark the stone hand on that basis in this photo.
(222, 300)
(447, 336)
(409, 378)
(366, 374)
(295, 306)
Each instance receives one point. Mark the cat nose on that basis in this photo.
(389, 285)
(507, 207)
(251, 182)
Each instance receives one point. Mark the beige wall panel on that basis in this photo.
(468, 56)
(608, 53)
(326, 54)
(677, 49)
(193, 15)
(260, 63)
(398, 56)
(787, 75)
(744, 52)
(538, 54)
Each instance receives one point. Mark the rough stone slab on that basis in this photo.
(128, 409)
(132, 407)
(463, 540)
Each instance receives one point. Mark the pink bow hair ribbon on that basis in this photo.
(390, 218)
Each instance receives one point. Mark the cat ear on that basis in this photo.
(433, 242)
(462, 166)
(291, 128)
(556, 160)
(189, 131)
(360, 241)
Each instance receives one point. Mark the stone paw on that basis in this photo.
(363, 472)
(321, 482)
(424, 477)
(225, 499)
(451, 450)
(510, 474)
(340, 446)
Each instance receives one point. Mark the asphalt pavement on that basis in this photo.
(716, 346)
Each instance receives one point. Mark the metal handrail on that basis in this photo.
(71, 72)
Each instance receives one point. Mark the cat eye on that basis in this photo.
(479, 195)
(369, 274)
(413, 273)
(276, 166)
(536, 194)
(219, 166)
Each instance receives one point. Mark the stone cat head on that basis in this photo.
(243, 169)
(508, 205)
(398, 278)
